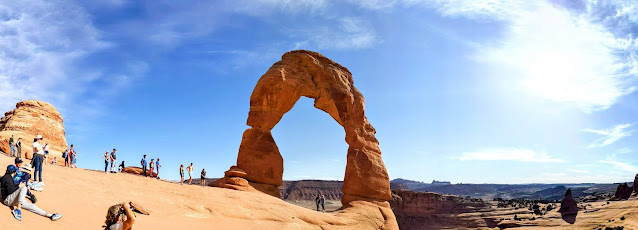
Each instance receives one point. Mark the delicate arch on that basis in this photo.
(305, 73)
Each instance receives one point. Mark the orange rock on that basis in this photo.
(138, 171)
(31, 118)
(234, 171)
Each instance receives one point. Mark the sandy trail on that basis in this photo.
(83, 196)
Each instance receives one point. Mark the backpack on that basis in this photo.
(64, 154)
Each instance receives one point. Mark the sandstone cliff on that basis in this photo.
(31, 118)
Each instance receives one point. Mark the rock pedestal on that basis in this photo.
(568, 205)
(31, 118)
(623, 192)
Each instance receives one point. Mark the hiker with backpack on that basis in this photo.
(14, 197)
(65, 155)
(203, 179)
(143, 162)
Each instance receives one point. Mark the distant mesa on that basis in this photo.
(309, 74)
(31, 118)
(435, 182)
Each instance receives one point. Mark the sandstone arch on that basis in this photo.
(309, 74)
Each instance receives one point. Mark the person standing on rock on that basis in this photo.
(14, 196)
(113, 159)
(12, 147)
(203, 179)
(181, 174)
(46, 152)
(152, 166)
(38, 157)
(190, 173)
(73, 155)
(317, 200)
(143, 163)
(106, 161)
(19, 147)
(322, 200)
(157, 165)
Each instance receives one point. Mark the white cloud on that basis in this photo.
(576, 57)
(352, 33)
(622, 166)
(610, 135)
(524, 155)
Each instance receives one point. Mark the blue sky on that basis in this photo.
(490, 91)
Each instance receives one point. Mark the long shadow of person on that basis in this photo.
(568, 208)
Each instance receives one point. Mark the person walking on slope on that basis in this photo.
(143, 162)
(14, 197)
(203, 179)
(106, 161)
(113, 161)
(190, 173)
(157, 166)
(19, 147)
(152, 166)
(38, 157)
(181, 174)
(12, 151)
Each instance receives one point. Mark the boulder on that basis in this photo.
(623, 192)
(568, 205)
(31, 118)
(138, 171)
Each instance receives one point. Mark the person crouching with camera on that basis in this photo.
(120, 217)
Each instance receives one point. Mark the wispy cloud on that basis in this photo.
(352, 33)
(43, 49)
(583, 57)
(622, 166)
(609, 136)
(513, 154)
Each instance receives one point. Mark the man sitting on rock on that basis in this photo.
(14, 197)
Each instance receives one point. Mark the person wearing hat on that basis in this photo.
(38, 158)
(14, 197)
(23, 174)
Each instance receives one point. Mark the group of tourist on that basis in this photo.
(111, 158)
(189, 169)
(154, 167)
(70, 157)
(13, 194)
(320, 200)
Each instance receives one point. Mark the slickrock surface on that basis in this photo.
(31, 118)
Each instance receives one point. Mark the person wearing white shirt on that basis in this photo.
(38, 158)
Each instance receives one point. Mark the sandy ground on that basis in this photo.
(83, 196)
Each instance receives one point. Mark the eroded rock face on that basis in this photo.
(568, 205)
(309, 74)
(636, 184)
(31, 118)
(623, 192)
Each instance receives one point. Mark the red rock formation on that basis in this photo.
(31, 118)
(426, 210)
(636, 184)
(137, 171)
(568, 205)
(623, 192)
(309, 74)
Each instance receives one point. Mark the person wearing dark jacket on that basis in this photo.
(14, 196)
